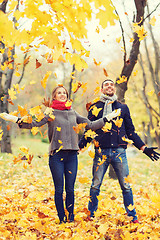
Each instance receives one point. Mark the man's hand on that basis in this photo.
(153, 155)
(113, 114)
(8, 117)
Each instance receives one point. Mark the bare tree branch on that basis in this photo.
(24, 66)
(152, 11)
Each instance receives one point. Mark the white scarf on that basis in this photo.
(108, 103)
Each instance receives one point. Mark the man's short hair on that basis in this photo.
(107, 80)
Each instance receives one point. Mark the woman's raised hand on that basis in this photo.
(8, 117)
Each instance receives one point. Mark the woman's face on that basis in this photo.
(61, 95)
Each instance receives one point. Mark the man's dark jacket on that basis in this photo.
(113, 138)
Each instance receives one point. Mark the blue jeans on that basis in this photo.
(64, 164)
(116, 157)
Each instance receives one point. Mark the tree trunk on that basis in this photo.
(130, 63)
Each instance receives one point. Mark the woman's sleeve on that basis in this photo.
(93, 125)
(34, 123)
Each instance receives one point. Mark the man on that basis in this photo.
(110, 147)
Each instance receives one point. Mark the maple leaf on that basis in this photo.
(97, 90)
(38, 64)
(12, 93)
(68, 103)
(22, 110)
(97, 64)
(128, 179)
(44, 80)
(152, 21)
(106, 16)
(84, 87)
(107, 127)
(10, 101)
(105, 72)
(91, 154)
(95, 111)
(58, 129)
(118, 39)
(150, 93)
(88, 106)
(79, 127)
(135, 73)
(101, 161)
(34, 130)
(90, 134)
(96, 143)
(118, 122)
(35, 110)
(130, 207)
(122, 79)
(140, 31)
(76, 86)
(127, 140)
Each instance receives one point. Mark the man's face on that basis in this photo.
(108, 88)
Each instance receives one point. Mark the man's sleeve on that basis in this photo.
(130, 130)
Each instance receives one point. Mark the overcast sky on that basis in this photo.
(103, 46)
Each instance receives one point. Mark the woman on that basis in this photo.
(63, 146)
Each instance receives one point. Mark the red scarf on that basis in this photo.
(59, 105)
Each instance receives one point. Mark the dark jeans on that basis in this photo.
(63, 164)
(116, 157)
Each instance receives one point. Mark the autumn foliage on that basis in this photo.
(27, 209)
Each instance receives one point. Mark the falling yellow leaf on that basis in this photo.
(68, 103)
(35, 110)
(95, 111)
(140, 31)
(118, 39)
(34, 130)
(130, 207)
(17, 74)
(59, 148)
(118, 122)
(90, 134)
(150, 93)
(32, 82)
(58, 129)
(135, 73)
(97, 90)
(122, 79)
(44, 80)
(131, 39)
(153, 21)
(79, 127)
(91, 154)
(12, 93)
(127, 140)
(107, 126)
(128, 179)
(76, 86)
(97, 64)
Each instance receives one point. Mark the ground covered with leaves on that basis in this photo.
(27, 209)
